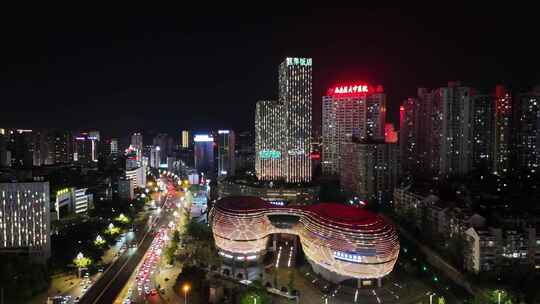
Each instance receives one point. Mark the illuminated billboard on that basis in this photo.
(349, 90)
(269, 154)
(299, 61)
(203, 138)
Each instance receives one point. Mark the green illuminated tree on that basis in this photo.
(99, 241)
(81, 261)
(122, 219)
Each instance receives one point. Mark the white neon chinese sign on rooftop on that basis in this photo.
(203, 138)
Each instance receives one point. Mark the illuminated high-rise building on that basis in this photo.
(436, 136)
(483, 129)
(295, 94)
(155, 157)
(269, 146)
(63, 152)
(355, 110)
(83, 148)
(94, 138)
(43, 141)
(204, 154)
(5, 154)
(113, 144)
(137, 143)
(452, 132)
(408, 135)
(25, 219)
(22, 145)
(502, 141)
(528, 133)
(283, 127)
(372, 169)
(185, 142)
(226, 153)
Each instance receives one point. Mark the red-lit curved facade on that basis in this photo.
(342, 240)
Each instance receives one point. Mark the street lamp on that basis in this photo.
(186, 290)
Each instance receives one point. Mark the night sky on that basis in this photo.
(200, 69)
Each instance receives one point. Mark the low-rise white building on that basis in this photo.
(72, 200)
(137, 175)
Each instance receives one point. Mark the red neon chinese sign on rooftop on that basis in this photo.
(352, 90)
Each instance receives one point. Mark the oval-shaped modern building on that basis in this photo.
(340, 241)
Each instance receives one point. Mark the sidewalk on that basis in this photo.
(60, 285)
(169, 295)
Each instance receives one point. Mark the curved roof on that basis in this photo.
(242, 203)
(339, 214)
(344, 214)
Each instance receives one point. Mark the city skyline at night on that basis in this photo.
(299, 152)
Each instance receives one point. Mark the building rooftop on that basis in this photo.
(331, 213)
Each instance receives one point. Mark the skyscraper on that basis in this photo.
(63, 152)
(452, 154)
(245, 151)
(483, 128)
(295, 94)
(528, 135)
(155, 157)
(204, 154)
(356, 110)
(94, 138)
(502, 141)
(437, 135)
(165, 144)
(114, 146)
(226, 153)
(185, 143)
(408, 135)
(372, 169)
(44, 147)
(376, 113)
(25, 218)
(137, 143)
(269, 146)
(5, 154)
(21, 145)
(83, 148)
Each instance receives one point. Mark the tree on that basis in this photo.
(99, 241)
(81, 261)
(122, 219)
(196, 278)
(255, 293)
(491, 296)
(290, 284)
